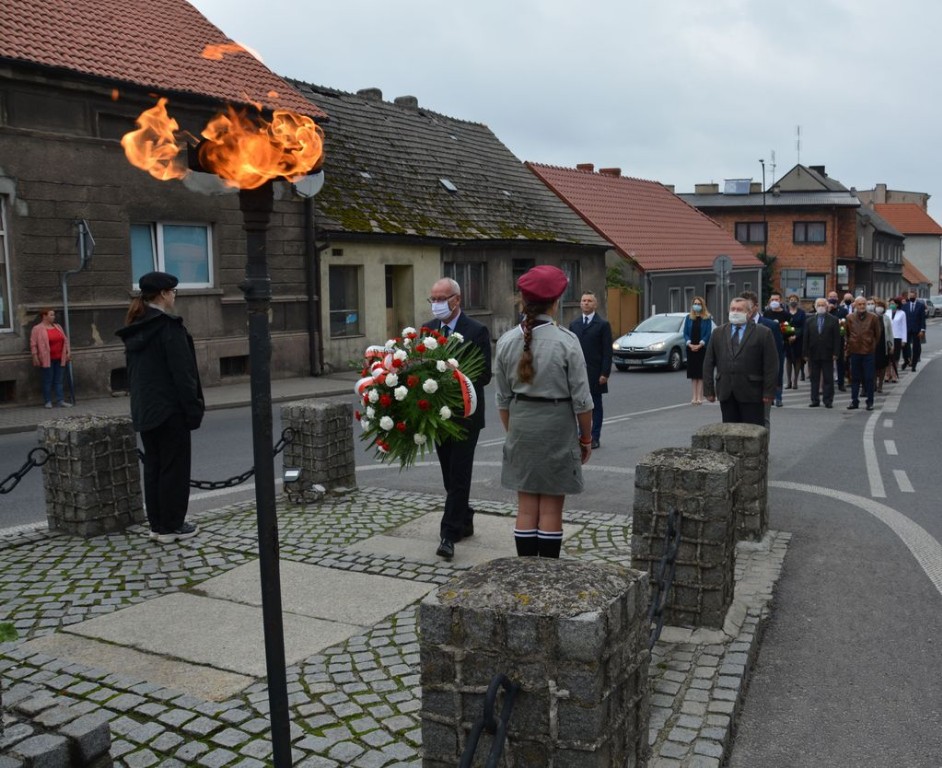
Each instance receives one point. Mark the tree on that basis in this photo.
(768, 274)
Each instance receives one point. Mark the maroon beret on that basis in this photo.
(542, 284)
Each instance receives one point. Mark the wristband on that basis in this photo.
(585, 442)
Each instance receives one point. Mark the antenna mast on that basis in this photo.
(772, 167)
(798, 142)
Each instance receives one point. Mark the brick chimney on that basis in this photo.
(590, 167)
(409, 102)
(706, 189)
(371, 94)
(615, 172)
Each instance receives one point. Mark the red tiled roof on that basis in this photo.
(912, 275)
(908, 218)
(645, 220)
(156, 44)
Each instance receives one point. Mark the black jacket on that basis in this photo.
(162, 371)
(596, 341)
(473, 333)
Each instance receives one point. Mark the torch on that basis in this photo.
(248, 153)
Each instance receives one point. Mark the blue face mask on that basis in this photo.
(697, 307)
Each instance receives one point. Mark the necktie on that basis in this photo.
(446, 331)
(820, 323)
(737, 331)
(585, 319)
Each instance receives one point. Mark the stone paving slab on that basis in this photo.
(324, 593)
(220, 633)
(418, 539)
(201, 681)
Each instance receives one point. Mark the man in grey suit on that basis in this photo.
(822, 345)
(741, 367)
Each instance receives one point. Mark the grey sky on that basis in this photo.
(680, 91)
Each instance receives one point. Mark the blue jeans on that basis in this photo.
(861, 371)
(52, 381)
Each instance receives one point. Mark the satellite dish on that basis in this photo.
(310, 185)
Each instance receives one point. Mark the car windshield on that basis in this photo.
(936, 299)
(660, 324)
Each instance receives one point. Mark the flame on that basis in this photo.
(153, 147)
(248, 152)
(244, 151)
(115, 94)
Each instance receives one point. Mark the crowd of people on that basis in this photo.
(863, 341)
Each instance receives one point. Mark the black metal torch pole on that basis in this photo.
(256, 206)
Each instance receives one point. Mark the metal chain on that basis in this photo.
(13, 480)
(287, 435)
(664, 578)
(496, 726)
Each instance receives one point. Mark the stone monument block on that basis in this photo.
(321, 445)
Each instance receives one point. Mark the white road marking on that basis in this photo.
(902, 480)
(870, 458)
(888, 423)
(922, 545)
(890, 446)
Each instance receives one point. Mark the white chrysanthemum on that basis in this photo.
(419, 438)
(373, 396)
(441, 366)
(445, 412)
(407, 330)
(401, 393)
(392, 380)
(389, 345)
(400, 354)
(430, 343)
(370, 413)
(365, 423)
(430, 386)
(457, 337)
(453, 362)
(386, 423)
(407, 343)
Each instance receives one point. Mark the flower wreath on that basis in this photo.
(412, 390)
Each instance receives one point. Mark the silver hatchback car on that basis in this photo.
(657, 341)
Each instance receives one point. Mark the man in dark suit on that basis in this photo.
(821, 345)
(915, 328)
(741, 367)
(595, 336)
(756, 316)
(456, 457)
(839, 311)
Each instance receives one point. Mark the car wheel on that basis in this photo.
(621, 368)
(676, 361)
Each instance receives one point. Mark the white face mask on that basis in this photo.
(441, 310)
(697, 307)
(774, 305)
(737, 318)
(880, 310)
(821, 310)
(871, 307)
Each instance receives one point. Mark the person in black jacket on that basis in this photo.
(456, 457)
(166, 402)
(595, 336)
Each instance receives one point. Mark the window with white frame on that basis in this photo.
(472, 277)
(6, 321)
(184, 250)
(793, 281)
(344, 284)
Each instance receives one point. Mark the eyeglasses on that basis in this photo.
(433, 299)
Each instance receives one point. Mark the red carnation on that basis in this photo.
(401, 426)
(419, 348)
(423, 405)
(357, 415)
(385, 401)
(412, 381)
(412, 335)
(397, 363)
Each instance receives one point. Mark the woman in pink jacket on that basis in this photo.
(50, 348)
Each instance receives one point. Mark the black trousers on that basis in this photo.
(822, 370)
(456, 458)
(735, 412)
(167, 459)
(915, 348)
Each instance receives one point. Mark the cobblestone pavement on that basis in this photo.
(355, 704)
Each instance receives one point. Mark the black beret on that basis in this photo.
(155, 282)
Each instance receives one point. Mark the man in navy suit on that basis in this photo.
(456, 457)
(595, 335)
(915, 328)
(755, 316)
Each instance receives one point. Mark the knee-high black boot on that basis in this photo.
(549, 543)
(526, 542)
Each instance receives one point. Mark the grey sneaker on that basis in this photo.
(48, 405)
(65, 404)
(185, 531)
